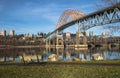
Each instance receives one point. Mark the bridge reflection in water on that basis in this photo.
(59, 54)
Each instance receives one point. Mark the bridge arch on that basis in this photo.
(74, 14)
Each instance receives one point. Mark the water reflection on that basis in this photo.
(57, 54)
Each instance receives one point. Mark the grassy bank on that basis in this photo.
(62, 70)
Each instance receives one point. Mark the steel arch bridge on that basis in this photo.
(101, 17)
(65, 17)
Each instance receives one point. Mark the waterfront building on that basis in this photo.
(28, 35)
(2, 32)
(91, 33)
(68, 35)
(103, 34)
(11, 33)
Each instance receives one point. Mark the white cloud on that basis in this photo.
(51, 12)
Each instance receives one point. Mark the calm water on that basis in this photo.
(52, 54)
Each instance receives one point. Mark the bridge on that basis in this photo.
(84, 22)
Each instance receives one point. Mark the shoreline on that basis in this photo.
(85, 63)
(26, 46)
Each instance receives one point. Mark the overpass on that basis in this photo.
(84, 22)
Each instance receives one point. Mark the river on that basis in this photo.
(57, 54)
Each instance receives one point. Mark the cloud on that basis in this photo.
(32, 13)
(51, 11)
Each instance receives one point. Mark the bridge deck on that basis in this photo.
(84, 17)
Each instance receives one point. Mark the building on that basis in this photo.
(2, 32)
(103, 34)
(11, 33)
(68, 35)
(29, 35)
(91, 33)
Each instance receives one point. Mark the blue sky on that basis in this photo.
(32, 16)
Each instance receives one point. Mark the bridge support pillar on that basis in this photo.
(84, 38)
(48, 43)
(77, 38)
(52, 42)
(78, 45)
(59, 41)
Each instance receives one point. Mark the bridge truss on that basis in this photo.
(98, 18)
(106, 17)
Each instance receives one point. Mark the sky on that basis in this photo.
(33, 16)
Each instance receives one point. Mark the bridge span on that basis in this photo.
(84, 22)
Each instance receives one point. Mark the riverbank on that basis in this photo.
(26, 46)
(91, 69)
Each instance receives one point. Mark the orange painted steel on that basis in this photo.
(73, 14)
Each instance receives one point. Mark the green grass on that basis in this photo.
(61, 71)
